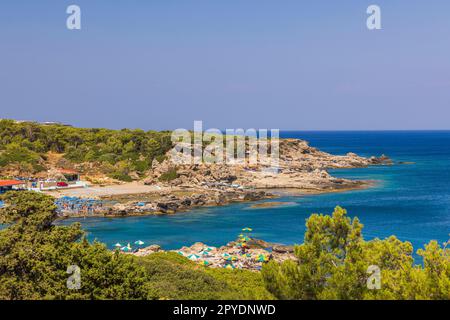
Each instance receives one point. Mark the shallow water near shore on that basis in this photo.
(410, 200)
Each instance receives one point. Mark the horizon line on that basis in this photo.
(281, 130)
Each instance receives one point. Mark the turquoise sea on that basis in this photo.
(411, 201)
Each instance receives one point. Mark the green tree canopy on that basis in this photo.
(334, 260)
(27, 143)
(35, 255)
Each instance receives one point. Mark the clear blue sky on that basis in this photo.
(306, 65)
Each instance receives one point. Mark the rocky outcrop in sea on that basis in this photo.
(232, 256)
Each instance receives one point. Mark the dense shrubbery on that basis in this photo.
(172, 276)
(334, 259)
(134, 150)
(170, 175)
(35, 254)
(333, 263)
(27, 159)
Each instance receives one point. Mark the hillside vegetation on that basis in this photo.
(119, 153)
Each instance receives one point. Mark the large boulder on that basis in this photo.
(148, 250)
(278, 248)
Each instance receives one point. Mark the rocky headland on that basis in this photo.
(302, 169)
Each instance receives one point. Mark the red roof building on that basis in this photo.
(7, 185)
(69, 174)
(10, 183)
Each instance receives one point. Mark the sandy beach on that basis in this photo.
(94, 191)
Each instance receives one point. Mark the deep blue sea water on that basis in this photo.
(411, 201)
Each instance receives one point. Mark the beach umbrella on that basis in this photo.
(181, 253)
(231, 258)
(139, 242)
(245, 238)
(126, 249)
(193, 257)
(225, 255)
(229, 266)
(247, 229)
(117, 245)
(206, 263)
(262, 258)
(209, 249)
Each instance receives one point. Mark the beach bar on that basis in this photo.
(8, 185)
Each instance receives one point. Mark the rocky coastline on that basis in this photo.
(302, 169)
(170, 204)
